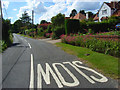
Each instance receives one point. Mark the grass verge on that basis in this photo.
(106, 64)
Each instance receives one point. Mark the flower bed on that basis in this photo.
(104, 45)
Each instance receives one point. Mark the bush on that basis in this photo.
(107, 46)
(58, 31)
(49, 29)
(72, 26)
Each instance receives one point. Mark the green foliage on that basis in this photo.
(43, 21)
(58, 20)
(5, 29)
(103, 26)
(58, 31)
(6, 34)
(82, 12)
(73, 13)
(72, 26)
(106, 46)
(58, 27)
(49, 29)
(41, 32)
(25, 18)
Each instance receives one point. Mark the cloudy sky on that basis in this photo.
(45, 9)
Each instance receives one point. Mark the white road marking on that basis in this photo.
(59, 79)
(46, 76)
(83, 74)
(103, 78)
(75, 80)
(25, 40)
(29, 45)
(31, 86)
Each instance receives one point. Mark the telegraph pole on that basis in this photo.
(1, 17)
(32, 19)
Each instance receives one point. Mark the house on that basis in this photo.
(44, 26)
(79, 16)
(108, 10)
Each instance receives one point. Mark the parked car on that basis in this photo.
(117, 26)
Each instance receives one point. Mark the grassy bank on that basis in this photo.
(106, 64)
(5, 44)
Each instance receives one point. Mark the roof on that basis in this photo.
(117, 13)
(114, 4)
(96, 17)
(79, 16)
(67, 17)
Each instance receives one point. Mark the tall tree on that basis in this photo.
(90, 14)
(25, 18)
(17, 25)
(73, 13)
(82, 12)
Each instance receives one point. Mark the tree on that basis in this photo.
(17, 25)
(82, 12)
(43, 21)
(58, 25)
(58, 20)
(5, 29)
(25, 18)
(73, 13)
(90, 14)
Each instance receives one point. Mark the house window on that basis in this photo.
(104, 11)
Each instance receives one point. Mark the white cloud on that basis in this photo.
(53, 10)
(5, 4)
(35, 5)
(60, 6)
(14, 9)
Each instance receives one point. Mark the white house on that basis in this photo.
(108, 10)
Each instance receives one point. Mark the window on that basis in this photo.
(104, 11)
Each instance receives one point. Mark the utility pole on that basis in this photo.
(32, 19)
(1, 17)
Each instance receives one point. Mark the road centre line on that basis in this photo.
(31, 86)
(29, 45)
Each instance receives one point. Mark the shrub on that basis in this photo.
(107, 46)
(49, 29)
(58, 31)
(72, 26)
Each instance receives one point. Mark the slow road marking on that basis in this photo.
(59, 77)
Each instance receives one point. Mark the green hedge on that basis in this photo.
(72, 26)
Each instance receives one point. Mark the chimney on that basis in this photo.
(114, 2)
(87, 16)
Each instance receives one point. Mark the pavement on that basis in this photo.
(31, 63)
(49, 40)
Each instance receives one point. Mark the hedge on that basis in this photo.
(72, 26)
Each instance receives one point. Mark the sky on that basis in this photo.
(46, 9)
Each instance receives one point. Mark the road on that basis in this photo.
(31, 63)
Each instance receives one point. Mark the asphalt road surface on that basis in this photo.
(31, 63)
